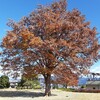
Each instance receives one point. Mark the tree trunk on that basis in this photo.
(65, 86)
(47, 78)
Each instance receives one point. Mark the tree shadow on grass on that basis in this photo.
(20, 94)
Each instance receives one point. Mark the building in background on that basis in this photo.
(93, 81)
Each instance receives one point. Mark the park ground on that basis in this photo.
(13, 94)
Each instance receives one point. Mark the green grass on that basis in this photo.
(67, 90)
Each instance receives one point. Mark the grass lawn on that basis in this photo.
(13, 94)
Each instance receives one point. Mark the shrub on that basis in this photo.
(68, 89)
(87, 90)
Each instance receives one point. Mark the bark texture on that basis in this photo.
(47, 84)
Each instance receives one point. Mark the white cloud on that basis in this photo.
(95, 69)
(1, 73)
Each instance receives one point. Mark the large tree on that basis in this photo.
(51, 40)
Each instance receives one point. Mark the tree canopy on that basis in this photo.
(29, 83)
(4, 82)
(51, 40)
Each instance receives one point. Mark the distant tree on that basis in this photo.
(49, 41)
(29, 82)
(1, 85)
(4, 82)
(22, 82)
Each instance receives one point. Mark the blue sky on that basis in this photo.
(16, 9)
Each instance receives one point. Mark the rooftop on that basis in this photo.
(93, 82)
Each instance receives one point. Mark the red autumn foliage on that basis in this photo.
(49, 41)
